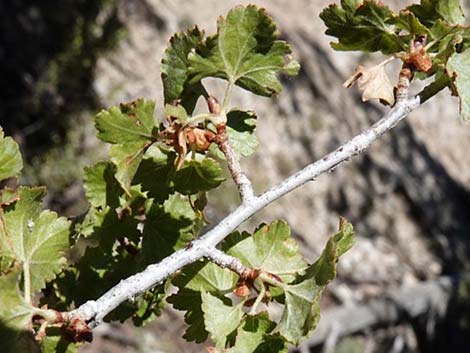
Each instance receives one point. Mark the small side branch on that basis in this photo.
(239, 177)
(226, 261)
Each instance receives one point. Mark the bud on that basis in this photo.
(214, 105)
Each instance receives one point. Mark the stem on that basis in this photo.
(245, 189)
(226, 261)
(259, 298)
(228, 93)
(93, 312)
(27, 282)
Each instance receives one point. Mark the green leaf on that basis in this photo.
(10, 157)
(129, 123)
(407, 21)
(241, 127)
(169, 228)
(195, 176)
(15, 313)
(220, 319)
(36, 240)
(301, 312)
(175, 75)
(127, 158)
(191, 282)
(458, 68)
(54, 342)
(254, 336)
(271, 249)
(155, 173)
(8, 196)
(429, 11)
(246, 51)
(363, 26)
(101, 187)
(176, 111)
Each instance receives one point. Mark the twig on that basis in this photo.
(93, 312)
(239, 177)
(226, 261)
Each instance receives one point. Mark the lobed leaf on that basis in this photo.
(429, 11)
(175, 64)
(169, 228)
(127, 158)
(15, 313)
(195, 176)
(193, 280)
(245, 51)
(129, 123)
(301, 311)
(458, 68)
(271, 249)
(254, 335)
(220, 319)
(36, 240)
(366, 26)
(11, 163)
(101, 187)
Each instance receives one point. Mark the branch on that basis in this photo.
(220, 121)
(226, 261)
(93, 312)
(239, 177)
(399, 304)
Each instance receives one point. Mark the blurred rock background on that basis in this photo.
(408, 197)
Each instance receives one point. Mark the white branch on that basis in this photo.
(226, 261)
(93, 312)
(239, 177)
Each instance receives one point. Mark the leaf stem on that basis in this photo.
(27, 282)
(227, 96)
(259, 298)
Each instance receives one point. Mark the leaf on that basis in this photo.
(271, 249)
(54, 342)
(407, 21)
(36, 240)
(101, 187)
(155, 173)
(8, 196)
(458, 68)
(241, 127)
(253, 335)
(429, 11)
(195, 176)
(175, 75)
(169, 228)
(245, 51)
(301, 312)
(15, 313)
(365, 26)
(129, 123)
(127, 158)
(220, 319)
(176, 111)
(374, 83)
(11, 163)
(191, 282)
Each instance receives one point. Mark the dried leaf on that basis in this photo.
(374, 83)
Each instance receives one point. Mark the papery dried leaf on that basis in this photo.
(373, 82)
